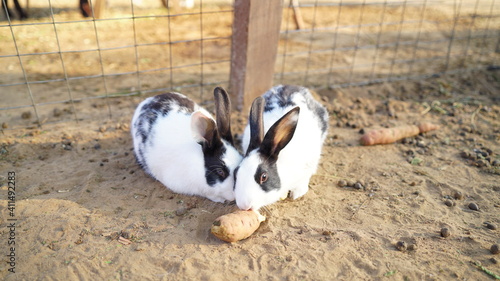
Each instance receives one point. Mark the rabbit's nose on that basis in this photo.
(243, 206)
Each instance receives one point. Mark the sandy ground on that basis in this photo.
(78, 189)
(79, 193)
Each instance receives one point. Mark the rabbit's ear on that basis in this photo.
(280, 134)
(256, 124)
(205, 131)
(223, 113)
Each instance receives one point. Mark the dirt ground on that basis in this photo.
(84, 210)
(78, 189)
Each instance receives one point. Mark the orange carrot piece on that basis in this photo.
(426, 127)
(237, 225)
(391, 135)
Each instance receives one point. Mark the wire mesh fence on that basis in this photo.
(356, 43)
(58, 66)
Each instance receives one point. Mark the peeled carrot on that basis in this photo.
(391, 135)
(237, 225)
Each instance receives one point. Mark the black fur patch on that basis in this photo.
(284, 97)
(235, 175)
(273, 180)
(215, 168)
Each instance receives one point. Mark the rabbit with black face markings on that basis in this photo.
(283, 142)
(179, 143)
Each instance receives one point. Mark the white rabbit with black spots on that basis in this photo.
(181, 145)
(283, 143)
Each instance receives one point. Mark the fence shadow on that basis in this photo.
(37, 13)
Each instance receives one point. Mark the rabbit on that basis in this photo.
(282, 160)
(178, 143)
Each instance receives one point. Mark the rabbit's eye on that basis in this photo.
(263, 177)
(221, 173)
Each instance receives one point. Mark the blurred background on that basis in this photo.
(56, 65)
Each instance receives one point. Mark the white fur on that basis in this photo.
(249, 195)
(297, 162)
(176, 160)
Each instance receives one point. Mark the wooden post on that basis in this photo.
(99, 7)
(256, 28)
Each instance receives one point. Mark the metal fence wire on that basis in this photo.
(57, 66)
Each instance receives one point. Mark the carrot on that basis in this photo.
(426, 127)
(237, 225)
(391, 135)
